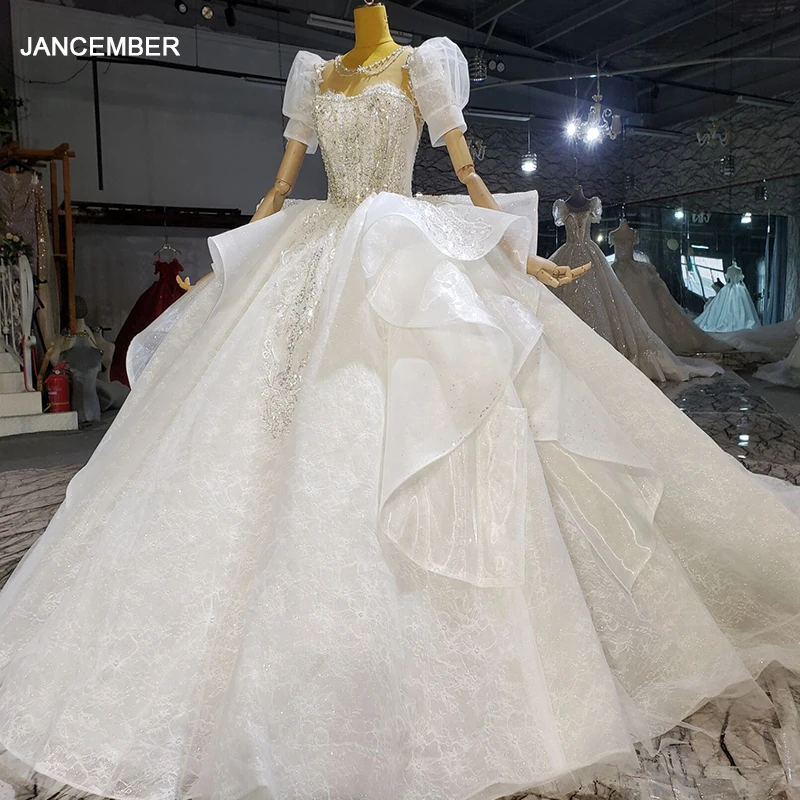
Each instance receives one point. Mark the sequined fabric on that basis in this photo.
(601, 301)
(381, 518)
(368, 142)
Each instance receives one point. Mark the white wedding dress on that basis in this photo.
(785, 372)
(732, 308)
(382, 518)
(600, 300)
(654, 301)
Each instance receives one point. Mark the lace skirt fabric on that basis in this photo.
(601, 301)
(374, 522)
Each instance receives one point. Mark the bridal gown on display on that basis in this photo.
(654, 301)
(785, 372)
(732, 308)
(382, 518)
(601, 301)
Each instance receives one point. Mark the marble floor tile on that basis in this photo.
(742, 423)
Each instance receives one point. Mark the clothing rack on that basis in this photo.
(64, 256)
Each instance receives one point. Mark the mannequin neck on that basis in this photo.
(372, 31)
(577, 199)
(624, 239)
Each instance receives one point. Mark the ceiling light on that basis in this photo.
(530, 163)
(477, 67)
(699, 246)
(572, 128)
(592, 133)
(653, 133)
(679, 213)
(181, 7)
(207, 12)
(230, 15)
(747, 218)
(487, 113)
(762, 102)
(599, 238)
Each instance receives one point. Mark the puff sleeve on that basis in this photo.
(560, 212)
(298, 101)
(440, 81)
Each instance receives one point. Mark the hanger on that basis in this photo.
(17, 163)
(166, 245)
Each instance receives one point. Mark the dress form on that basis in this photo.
(623, 238)
(577, 200)
(373, 43)
(653, 299)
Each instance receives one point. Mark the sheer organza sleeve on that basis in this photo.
(560, 212)
(298, 102)
(596, 209)
(440, 82)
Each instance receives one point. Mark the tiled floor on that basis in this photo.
(728, 750)
(730, 410)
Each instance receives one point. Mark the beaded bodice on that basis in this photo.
(578, 222)
(578, 225)
(368, 141)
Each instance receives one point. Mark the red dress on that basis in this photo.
(154, 301)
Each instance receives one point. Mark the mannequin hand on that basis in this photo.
(551, 274)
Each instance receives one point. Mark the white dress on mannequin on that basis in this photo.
(382, 518)
(653, 299)
(732, 308)
(601, 301)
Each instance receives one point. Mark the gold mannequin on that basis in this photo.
(374, 42)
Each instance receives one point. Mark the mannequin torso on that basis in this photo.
(373, 44)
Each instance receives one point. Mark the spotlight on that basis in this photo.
(207, 12)
(747, 218)
(599, 238)
(492, 64)
(592, 134)
(230, 15)
(181, 7)
(530, 163)
(572, 128)
(679, 213)
(501, 67)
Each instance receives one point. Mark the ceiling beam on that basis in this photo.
(750, 41)
(572, 23)
(496, 11)
(669, 23)
(683, 111)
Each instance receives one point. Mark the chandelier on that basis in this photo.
(600, 122)
(712, 136)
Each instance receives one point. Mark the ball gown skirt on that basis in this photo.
(731, 309)
(382, 518)
(600, 300)
(660, 311)
(785, 372)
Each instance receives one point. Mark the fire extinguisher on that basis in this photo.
(57, 383)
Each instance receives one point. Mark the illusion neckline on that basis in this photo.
(369, 90)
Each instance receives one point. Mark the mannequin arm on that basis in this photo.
(284, 181)
(273, 200)
(542, 269)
